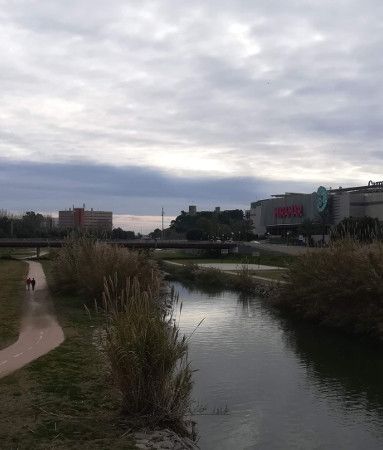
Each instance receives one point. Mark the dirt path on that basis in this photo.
(39, 332)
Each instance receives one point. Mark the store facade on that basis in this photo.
(284, 214)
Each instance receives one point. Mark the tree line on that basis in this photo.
(212, 225)
(35, 225)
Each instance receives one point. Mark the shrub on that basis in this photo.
(341, 285)
(83, 263)
(191, 275)
(147, 356)
(244, 281)
(363, 229)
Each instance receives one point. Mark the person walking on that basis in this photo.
(29, 281)
(33, 283)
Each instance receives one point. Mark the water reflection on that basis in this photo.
(345, 363)
(350, 367)
(287, 384)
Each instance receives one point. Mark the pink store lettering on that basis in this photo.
(289, 211)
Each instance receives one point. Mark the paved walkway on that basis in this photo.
(228, 267)
(39, 332)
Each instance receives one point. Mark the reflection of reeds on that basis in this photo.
(147, 355)
(341, 285)
(81, 265)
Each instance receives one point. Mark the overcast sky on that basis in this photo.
(134, 105)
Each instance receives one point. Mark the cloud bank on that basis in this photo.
(125, 190)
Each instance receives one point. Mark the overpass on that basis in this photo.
(39, 243)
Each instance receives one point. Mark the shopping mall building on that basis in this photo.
(283, 214)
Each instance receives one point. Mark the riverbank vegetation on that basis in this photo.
(65, 399)
(82, 265)
(12, 292)
(123, 365)
(266, 257)
(146, 356)
(362, 229)
(214, 280)
(341, 286)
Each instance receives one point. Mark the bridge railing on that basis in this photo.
(134, 243)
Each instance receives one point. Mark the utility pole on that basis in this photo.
(162, 222)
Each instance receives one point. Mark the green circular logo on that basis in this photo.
(322, 198)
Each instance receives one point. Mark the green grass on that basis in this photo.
(272, 274)
(12, 292)
(64, 400)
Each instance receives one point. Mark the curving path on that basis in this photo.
(39, 333)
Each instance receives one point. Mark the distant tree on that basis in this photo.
(119, 233)
(156, 234)
(5, 226)
(196, 235)
(30, 225)
(223, 225)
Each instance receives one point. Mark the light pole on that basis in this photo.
(162, 223)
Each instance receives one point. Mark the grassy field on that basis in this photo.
(12, 291)
(63, 400)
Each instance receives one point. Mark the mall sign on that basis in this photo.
(289, 211)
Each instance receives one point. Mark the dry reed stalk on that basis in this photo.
(147, 355)
(82, 264)
(341, 286)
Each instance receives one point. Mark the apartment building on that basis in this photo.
(80, 218)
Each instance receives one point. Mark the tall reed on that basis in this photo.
(83, 263)
(341, 285)
(147, 355)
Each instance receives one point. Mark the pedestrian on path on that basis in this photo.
(29, 281)
(33, 283)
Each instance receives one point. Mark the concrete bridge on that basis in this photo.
(39, 243)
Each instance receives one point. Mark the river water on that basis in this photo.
(286, 384)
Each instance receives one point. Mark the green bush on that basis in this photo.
(341, 286)
(83, 263)
(147, 355)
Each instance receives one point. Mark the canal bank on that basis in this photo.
(215, 280)
(338, 287)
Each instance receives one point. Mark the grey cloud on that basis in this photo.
(147, 75)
